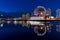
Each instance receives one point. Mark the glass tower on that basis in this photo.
(58, 16)
(57, 13)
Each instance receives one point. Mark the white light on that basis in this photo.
(15, 22)
(35, 23)
(52, 17)
(36, 18)
(1, 25)
(8, 22)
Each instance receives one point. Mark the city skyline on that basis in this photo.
(40, 20)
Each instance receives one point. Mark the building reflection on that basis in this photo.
(41, 20)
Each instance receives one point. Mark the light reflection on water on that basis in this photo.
(17, 29)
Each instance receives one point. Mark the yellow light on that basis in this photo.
(41, 27)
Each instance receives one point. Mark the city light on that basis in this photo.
(8, 22)
(15, 22)
(39, 20)
(1, 25)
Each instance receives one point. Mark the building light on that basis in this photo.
(1, 25)
(8, 22)
(15, 22)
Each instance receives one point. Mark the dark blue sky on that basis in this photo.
(27, 5)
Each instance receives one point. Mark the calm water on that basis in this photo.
(12, 31)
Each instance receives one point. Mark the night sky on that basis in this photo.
(27, 5)
(16, 31)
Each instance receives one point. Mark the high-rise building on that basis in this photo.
(48, 14)
(27, 16)
(58, 13)
(58, 17)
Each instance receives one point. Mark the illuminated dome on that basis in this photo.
(39, 10)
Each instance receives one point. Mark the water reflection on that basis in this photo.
(51, 25)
